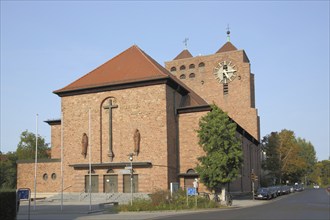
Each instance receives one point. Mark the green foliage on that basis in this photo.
(7, 204)
(26, 146)
(162, 200)
(25, 150)
(8, 170)
(223, 159)
(321, 174)
(288, 158)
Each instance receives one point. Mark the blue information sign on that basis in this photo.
(23, 193)
(191, 191)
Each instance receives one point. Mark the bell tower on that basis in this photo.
(223, 78)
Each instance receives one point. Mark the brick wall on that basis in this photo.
(240, 101)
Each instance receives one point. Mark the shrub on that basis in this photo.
(7, 204)
(162, 200)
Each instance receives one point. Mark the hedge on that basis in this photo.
(7, 204)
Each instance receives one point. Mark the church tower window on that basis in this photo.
(183, 67)
(201, 67)
(173, 69)
(225, 89)
(182, 76)
(192, 66)
(192, 75)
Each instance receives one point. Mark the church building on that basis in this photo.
(133, 113)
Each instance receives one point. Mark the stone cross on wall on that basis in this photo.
(110, 107)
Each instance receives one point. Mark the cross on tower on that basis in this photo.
(185, 41)
(110, 107)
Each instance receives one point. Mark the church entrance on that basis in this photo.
(94, 183)
(110, 183)
(127, 183)
(189, 182)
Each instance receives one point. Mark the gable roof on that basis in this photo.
(130, 65)
(227, 47)
(131, 68)
(184, 54)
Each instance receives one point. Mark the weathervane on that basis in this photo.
(185, 42)
(228, 33)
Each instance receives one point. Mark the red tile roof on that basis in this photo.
(184, 54)
(227, 47)
(130, 67)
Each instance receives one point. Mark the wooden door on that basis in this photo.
(94, 183)
(127, 183)
(110, 183)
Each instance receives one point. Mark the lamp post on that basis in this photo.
(131, 160)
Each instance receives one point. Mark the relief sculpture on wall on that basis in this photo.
(137, 139)
(84, 145)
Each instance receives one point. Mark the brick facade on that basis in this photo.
(168, 145)
(198, 74)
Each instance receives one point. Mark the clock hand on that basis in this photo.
(225, 72)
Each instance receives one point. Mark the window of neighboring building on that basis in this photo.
(182, 76)
(45, 176)
(53, 176)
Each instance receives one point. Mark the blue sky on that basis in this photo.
(45, 45)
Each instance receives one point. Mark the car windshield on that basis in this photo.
(262, 190)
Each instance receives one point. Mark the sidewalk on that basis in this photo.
(81, 211)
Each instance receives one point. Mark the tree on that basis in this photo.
(288, 158)
(272, 163)
(309, 155)
(8, 170)
(26, 146)
(223, 159)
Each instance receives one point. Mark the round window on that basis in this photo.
(45, 176)
(53, 176)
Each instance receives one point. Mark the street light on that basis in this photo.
(131, 159)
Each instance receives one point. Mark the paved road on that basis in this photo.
(80, 210)
(311, 204)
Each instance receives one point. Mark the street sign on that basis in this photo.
(23, 193)
(191, 191)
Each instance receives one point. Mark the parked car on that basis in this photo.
(263, 193)
(273, 191)
(298, 187)
(285, 190)
(316, 186)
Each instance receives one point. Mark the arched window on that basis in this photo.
(53, 176)
(202, 64)
(182, 76)
(173, 69)
(45, 176)
(191, 171)
(183, 67)
(192, 66)
(192, 75)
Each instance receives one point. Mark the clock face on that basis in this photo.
(225, 72)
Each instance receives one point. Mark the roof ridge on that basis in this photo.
(151, 60)
(98, 67)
